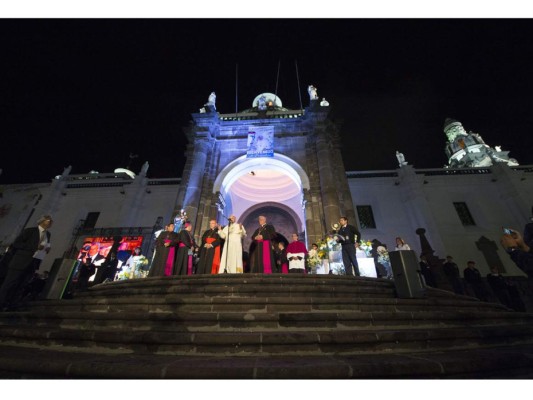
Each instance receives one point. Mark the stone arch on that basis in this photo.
(285, 220)
(242, 165)
(288, 211)
(294, 216)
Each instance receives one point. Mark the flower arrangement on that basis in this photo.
(142, 260)
(383, 259)
(323, 249)
(325, 246)
(135, 270)
(313, 259)
(366, 246)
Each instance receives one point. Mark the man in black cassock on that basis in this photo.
(165, 252)
(262, 259)
(210, 251)
(186, 248)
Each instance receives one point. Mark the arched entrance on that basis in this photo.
(249, 187)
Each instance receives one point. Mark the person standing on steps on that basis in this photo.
(350, 237)
(231, 261)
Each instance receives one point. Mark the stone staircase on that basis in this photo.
(264, 326)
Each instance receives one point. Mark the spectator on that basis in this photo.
(425, 269)
(498, 284)
(87, 269)
(401, 245)
(473, 279)
(517, 303)
(451, 270)
(519, 251)
(29, 248)
(109, 269)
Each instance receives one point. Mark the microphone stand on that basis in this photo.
(226, 244)
(227, 248)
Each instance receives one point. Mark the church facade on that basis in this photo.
(286, 164)
(267, 160)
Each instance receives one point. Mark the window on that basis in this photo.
(464, 214)
(366, 217)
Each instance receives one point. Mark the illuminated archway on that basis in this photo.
(276, 184)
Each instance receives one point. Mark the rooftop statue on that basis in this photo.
(211, 100)
(261, 103)
(401, 159)
(313, 94)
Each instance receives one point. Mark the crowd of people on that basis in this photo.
(220, 251)
(495, 286)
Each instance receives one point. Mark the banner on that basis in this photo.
(260, 141)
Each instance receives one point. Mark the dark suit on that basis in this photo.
(98, 261)
(473, 278)
(107, 270)
(21, 266)
(350, 235)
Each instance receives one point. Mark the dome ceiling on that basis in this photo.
(265, 184)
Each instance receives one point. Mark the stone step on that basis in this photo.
(250, 343)
(171, 303)
(249, 285)
(492, 363)
(272, 280)
(177, 321)
(248, 290)
(258, 317)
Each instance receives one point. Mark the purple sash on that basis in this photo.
(169, 265)
(267, 265)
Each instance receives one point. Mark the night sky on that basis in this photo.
(87, 92)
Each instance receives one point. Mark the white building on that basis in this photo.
(461, 210)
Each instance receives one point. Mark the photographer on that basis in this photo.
(518, 250)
